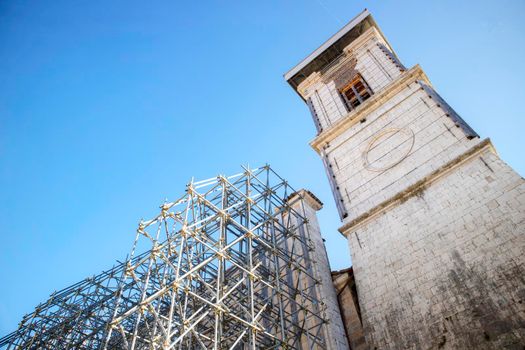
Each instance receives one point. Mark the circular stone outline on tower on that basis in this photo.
(380, 135)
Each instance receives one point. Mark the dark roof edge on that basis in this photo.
(353, 22)
(349, 270)
(300, 68)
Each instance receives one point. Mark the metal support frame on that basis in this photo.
(226, 266)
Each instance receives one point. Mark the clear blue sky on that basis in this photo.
(108, 107)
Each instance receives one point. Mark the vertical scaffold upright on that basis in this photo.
(226, 266)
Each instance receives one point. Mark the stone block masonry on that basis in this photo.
(434, 218)
(443, 267)
(334, 332)
(344, 283)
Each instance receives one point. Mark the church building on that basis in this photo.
(435, 220)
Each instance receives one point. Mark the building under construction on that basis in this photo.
(434, 218)
(235, 262)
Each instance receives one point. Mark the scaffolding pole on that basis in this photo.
(226, 266)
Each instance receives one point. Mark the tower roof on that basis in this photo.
(331, 48)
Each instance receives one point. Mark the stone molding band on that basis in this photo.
(377, 100)
(412, 190)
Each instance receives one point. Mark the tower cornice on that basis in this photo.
(376, 101)
(307, 196)
(312, 79)
(477, 149)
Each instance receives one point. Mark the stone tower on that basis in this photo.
(306, 203)
(434, 218)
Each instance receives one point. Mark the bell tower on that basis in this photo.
(434, 218)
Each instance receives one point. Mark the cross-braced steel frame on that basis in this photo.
(226, 266)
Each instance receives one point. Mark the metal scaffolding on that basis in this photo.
(226, 266)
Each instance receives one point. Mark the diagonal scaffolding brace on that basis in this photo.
(226, 266)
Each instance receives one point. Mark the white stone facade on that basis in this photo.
(334, 332)
(434, 218)
(444, 267)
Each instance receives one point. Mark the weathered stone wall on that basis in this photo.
(444, 267)
(344, 284)
(409, 128)
(435, 220)
(333, 332)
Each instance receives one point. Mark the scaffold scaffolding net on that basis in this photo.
(228, 265)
